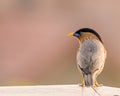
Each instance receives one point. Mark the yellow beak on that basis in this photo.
(71, 34)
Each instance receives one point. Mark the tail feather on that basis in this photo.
(88, 80)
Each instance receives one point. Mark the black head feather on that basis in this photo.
(80, 31)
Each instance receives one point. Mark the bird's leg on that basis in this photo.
(83, 81)
(97, 84)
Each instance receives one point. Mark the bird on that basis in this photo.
(91, 55)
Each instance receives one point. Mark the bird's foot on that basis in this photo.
(83, 82)
(97, 84)
(81, 85)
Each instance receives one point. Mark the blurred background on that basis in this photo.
(35, 49)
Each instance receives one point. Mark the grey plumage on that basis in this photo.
(90, 59)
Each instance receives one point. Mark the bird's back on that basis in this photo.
(90, 55)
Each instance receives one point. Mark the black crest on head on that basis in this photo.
(90, 31)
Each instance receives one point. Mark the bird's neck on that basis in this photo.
(87, 36)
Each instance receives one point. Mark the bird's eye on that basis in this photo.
(77, 34)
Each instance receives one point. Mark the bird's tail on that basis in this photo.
(88, 80)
